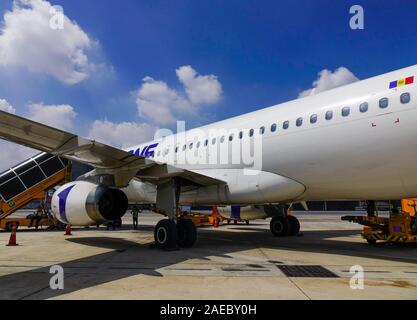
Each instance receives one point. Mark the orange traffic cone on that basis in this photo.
(12, 240)
(216, 217)
(68, 230)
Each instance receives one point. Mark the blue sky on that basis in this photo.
(262, 52)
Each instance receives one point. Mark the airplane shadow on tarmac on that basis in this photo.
(127, 258)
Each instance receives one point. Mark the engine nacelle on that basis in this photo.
(83, 203)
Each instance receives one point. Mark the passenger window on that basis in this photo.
(176, 149)
(222, 139)
(213, 141)
(206, 143)
(240, 134)
(251, 132)
(345, 111)
(405, 98)
(313, 118)
(273, 127)
(198, 145)
(184, 147)
(299, 122)
(286, 125)
(329, 115)
(261, 130)
(231, 137)
(383, 103)
(191, 145)
(363, 107)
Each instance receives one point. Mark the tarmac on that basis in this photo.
(230, 262)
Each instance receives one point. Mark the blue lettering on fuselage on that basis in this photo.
(146, 152)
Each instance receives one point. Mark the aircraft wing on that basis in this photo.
(101, 156)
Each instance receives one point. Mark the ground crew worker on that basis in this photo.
(135, 214)
(37, 216)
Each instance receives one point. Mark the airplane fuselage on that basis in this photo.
(352, 142)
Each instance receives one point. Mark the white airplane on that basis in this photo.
(350, 143)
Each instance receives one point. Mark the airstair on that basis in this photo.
(30, 179)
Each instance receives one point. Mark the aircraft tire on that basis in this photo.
(294, 225)
(187, 233)
(280, 226)
(372, 242)
(165, 234)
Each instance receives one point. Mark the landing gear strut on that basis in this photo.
(172, 233)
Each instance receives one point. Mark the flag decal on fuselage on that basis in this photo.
(401, 82)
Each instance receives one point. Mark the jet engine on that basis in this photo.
(83, 203)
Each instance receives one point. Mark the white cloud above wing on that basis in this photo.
(200, 89)
(5, 106)
(27, 40)
(158, 103)
(328, 80)
(121, 135)
(162, 105)
(58, 116)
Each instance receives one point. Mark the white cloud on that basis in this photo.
(160, 104)
(27, 40)
(328, 80)
(200, 89)
(5, 106)
(58, 116)
(125, 134)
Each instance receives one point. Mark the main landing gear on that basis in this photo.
(172, 233)
(283, 225)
